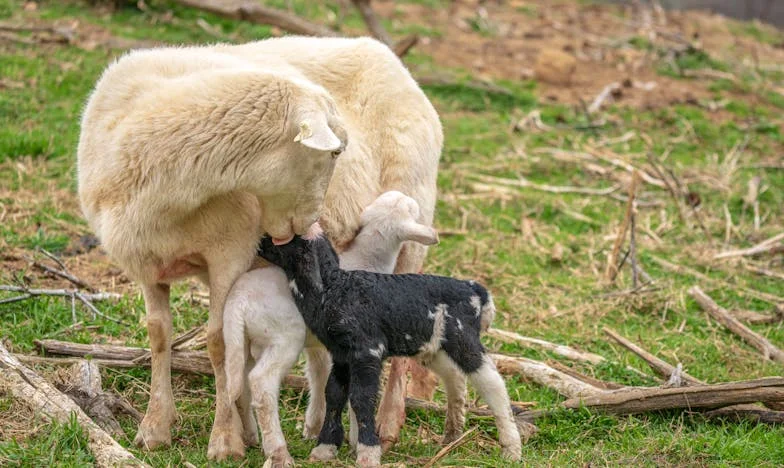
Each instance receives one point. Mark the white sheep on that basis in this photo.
(264, 332)
(187, 155)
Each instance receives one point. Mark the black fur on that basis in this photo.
(363, 317)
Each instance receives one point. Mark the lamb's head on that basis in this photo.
(393, 217)
(302, 256)
(301, 168)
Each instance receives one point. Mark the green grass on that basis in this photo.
(558, 299)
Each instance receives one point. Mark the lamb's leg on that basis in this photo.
(491, 388)
(226, 436)
(317, 370)
(365, 375)
(155, 429)
(455, 385)
(265, 378)
(331, 436)
(250, 430)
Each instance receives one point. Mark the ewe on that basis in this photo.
(263, 329)
(363, 317)
(187, 155)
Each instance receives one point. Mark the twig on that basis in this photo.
(98, 296)
(662, 368)
(670, 188)
(451, 446)
(53, 258)
(95, 310)
(256, 13)
(612, 268)
(15, 299)
(65, 275)
(524, 183)
(683, 270)
(633, 244)
(765, 272)
(561, 350)
(763, 247)
(768, 350)
(402, 46)
(374, 25)
(606, 92)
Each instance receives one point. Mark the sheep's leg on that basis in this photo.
(392, 410)
(423, 383)
(455, 385)
(331, 436)
(491, 388)
(317, 370)
(226, 436)
(365, 375)
(265, 379)
(353, 428)
(155, 429)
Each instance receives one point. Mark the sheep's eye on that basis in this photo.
(336, 153)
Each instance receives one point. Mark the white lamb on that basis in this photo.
(187, 155)
(264, 332)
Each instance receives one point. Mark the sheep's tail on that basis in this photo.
(236, 353)
(487, 310)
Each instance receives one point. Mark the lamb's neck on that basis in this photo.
(370, 253)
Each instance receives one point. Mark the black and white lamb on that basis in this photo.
(363, 317)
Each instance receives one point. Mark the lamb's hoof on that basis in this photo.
(324, 452)
(512, 453)
(279, 461)
(251, 438)
(368, 455)
(153, 434)
(225, 444)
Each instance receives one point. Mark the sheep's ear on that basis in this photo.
(316, 134)
(420, 233)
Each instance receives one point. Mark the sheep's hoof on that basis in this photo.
(153, 434)
(368, 455)
(224, 444)
(323, 452)
(311, 432)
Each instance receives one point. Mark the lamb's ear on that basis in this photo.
(420, 233)
(314, 132)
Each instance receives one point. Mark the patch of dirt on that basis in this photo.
(503, 40)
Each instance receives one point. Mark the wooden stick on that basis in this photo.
(65, 275)
(600, 384)
(765, 272)
(255, 13)
(26, 385)
(683, 270)
(451, 446)
(371, 20)
(763, 247)
(662, 368)
(768, 350)
(602, 96)
(561, 350)
(640, 400)
(748, 412)
(99, 296)
(612, 259)
(544, 375)
(525, 183)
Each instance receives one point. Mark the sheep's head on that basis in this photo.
(395, 217)
(302, 167)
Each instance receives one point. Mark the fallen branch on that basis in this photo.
(99, 296)
(65, 275)
(768, 350)
(606, 92)
(525, 183)
(763, 247)
(641, 400)
(765, 272)
(600, 384)
(747, 412)
(662, 368)
(561, 350)
(29, 387)
(683, 270)
(255, 13)
(374, 25)
(544, 375)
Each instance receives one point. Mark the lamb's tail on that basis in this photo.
(487, 307)
(236, 347)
